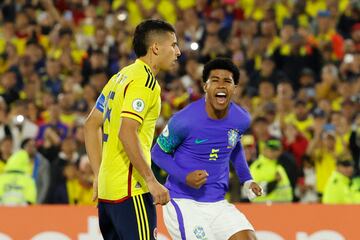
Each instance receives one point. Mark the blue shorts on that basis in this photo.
(134, 218)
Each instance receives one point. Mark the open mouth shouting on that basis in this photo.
(221, 97)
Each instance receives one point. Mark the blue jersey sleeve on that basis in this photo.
(167, 142)
(240, 165)
(172, 135)
(100, 103)
(166, 162)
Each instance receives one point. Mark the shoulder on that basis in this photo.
(241, 113)
(138, 72)
(184, 119)
(191, 111)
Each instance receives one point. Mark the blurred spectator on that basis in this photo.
(52, 78)
(54, 122)
(64, 192)
(306, 190)
(21, 126)
(322, 151)
(270, 175)
(301, 118)
(86, 178)
(295, 143)
(349, 18)
(293, 56)
(40, 169)
(267, 72)
(5, 130)
(259, 129)
(269, 111)
(8, 89)
(354, 144)
(6, 147)
(326, 34)
(327, 88)
(77, 186)
(338, 189)
(266, 94)
(17, 188)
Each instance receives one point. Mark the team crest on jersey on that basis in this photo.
(199, 233)
(233, 137)
(138, 105)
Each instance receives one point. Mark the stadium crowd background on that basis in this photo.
(300, 80)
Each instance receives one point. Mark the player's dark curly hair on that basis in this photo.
(221, 63)
(144, 30)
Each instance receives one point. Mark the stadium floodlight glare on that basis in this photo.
(20, 119)
(194, 46)
(122, 16)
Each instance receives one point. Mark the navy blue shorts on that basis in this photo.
(132, 219)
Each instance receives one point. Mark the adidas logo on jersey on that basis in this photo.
(137, 185)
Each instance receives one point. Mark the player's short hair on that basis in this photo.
(221, 63)
(144, 30)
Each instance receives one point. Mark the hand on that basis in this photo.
(95, 189)
(253, 189)
(256, 189)
(196, 178)
(159, 193)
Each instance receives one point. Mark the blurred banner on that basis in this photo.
(272, 222)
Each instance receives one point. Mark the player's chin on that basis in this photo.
(170, 66)
(220, 107)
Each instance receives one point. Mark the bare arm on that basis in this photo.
(93, 143)
(128, 135)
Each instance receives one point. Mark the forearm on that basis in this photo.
(130, 141)
(93, 139)
(93, 144)
(166, 162)
(241, 167)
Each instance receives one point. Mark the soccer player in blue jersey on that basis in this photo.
(195, 148)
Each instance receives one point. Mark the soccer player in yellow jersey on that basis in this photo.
(119, 133)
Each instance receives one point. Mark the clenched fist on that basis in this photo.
(197, 178)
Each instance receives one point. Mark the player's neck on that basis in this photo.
(215, 114)
(149, 61)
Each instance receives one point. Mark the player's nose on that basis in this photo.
(177, 51)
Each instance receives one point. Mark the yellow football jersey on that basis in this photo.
(132, 93)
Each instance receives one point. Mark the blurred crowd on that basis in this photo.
(300, 80)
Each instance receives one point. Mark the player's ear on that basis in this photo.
(236, 87)
(205, 87)
(155, 48)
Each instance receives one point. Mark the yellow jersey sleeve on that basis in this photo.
(139, 97)
(104, 95)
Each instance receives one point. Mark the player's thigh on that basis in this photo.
(140, 223)
(244, 235)
(150, 211)
(135, 218)
(183, 220)
(230, 221)
(107, 228)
